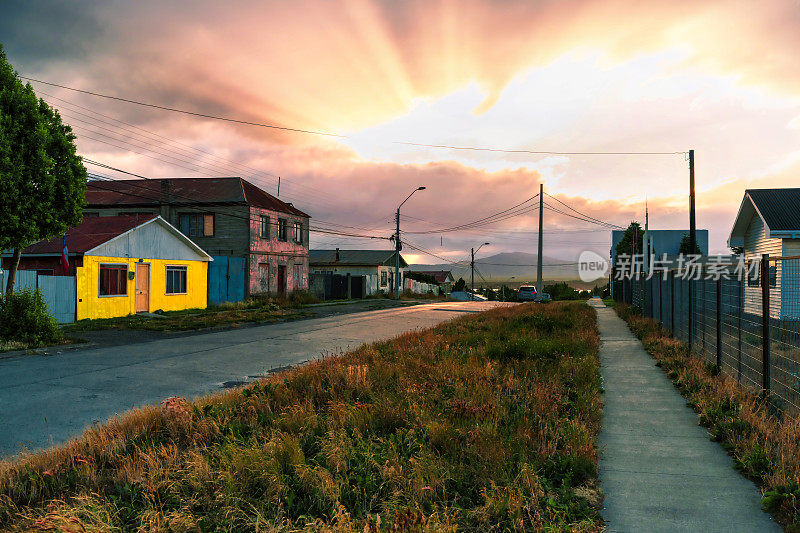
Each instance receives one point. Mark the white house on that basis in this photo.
(768, 222)
(377, 265)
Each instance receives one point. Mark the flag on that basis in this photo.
(65, 256)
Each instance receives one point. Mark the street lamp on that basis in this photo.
(472, 265)
(397, 245)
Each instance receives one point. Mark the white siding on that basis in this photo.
(152, 240)
(756, 243)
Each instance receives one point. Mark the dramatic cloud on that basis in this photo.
(566, 76)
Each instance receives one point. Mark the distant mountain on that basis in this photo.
(501, 267)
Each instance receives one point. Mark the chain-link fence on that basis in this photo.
(747, 325)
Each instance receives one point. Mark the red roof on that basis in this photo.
(90, 233)
(439, 275)
(183, 191)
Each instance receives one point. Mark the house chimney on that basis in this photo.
(166, 191)
(337, 254)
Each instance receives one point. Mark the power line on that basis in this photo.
(582, 214)
(329, 231)
(591, 221)
(180, 148)
(184, 111)
(496, 217)
(328, 134)
(535, 152)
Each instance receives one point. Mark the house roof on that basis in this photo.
(183, 191)
(354, 257)
(89, 234)
(439, 275)
(779, 209)
(95, 232)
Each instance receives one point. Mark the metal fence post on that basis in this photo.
(672, 300)
(765, 344)
(719, 322)
(691, 314)
(740, 307)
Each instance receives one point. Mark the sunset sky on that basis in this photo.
(722, 78)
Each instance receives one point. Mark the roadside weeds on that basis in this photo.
(485, 422)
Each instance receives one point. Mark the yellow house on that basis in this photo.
(126, 264)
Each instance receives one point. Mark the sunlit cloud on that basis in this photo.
(720, 77)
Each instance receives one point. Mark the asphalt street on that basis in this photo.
(48, 400)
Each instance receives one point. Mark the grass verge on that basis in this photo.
(764, 447)
(229, 314)
(485, 423)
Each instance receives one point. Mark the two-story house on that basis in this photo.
(259, 243)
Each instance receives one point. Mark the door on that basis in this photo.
(236, 279)
(282, 279)
(263, 277)
(142, 288)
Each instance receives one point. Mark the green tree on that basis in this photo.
(460, 285)
(737, 250)
(42, 179)
(625, 245)
(686, 246)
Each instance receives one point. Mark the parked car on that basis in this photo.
(526, 293)
(542, 298)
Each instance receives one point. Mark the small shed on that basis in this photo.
(124, 265)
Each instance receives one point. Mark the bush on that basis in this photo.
(24, 317)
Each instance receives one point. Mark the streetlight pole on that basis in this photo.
(398, 246)
(472, 267)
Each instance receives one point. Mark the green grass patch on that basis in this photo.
(484, 423)
(229, 314)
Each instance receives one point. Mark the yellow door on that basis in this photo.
(142, 288)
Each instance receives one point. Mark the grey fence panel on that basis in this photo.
(728, 319)
(59, 293)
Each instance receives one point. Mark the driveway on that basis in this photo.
(47, 400)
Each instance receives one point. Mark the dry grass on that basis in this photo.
(765, 446)
(485, 423)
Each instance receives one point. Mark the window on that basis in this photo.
(264, 232)
(773, 276)
(92, 214)
(298, 232)
(197, 224)
(384, 278)
(113, 280)
(282, 229)
(176, 280)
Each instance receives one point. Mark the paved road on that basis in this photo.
(658, 469)
(49, 399)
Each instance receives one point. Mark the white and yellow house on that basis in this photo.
(124, 265)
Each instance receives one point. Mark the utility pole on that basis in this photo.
(398, 246)
(692, 244)
(692, 224)
(472, 268)
(472, 274)
(539, 287)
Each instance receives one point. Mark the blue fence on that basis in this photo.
(226, 279)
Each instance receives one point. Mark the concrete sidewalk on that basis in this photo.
(658, 469)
